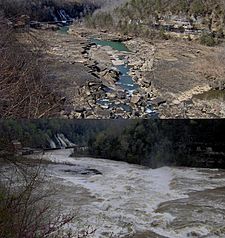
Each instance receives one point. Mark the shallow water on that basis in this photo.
(114, 44)
(120, 199)
(125, 80)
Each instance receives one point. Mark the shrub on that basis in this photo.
(207, 39)
(162, 34)
(27, 209)
(24, 89)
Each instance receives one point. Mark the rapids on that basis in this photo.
(119, 199)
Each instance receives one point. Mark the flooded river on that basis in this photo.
(123, 200)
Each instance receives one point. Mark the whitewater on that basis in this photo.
(119, 199)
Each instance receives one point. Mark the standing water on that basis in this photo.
(119, 199)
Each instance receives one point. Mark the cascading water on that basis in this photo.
(65, 140)
(64, 16)
(60, 141)
(52, 144)
(60, 13)
(60, 16)
(122, 200)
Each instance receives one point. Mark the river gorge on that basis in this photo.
(110, 76)
(123, 200)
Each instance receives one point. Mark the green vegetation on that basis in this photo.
(149, 142)
(37, 133)
(135, 17)
(157, 143)
(41, 10)
(207, 39)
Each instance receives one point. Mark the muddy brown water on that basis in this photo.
(124, 200)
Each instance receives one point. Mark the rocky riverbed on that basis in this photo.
(162, 79)
(180, 75)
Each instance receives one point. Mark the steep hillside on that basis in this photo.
(151, 10)
(143, 16)
(45, 10)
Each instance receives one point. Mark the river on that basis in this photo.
(125, 82)
(119, 199)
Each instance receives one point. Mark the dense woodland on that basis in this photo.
(28, 210)
(41, 10)
(126, 17)
(158, 143)
(149, 142)
(37, 133)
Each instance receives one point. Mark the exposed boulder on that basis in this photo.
(135, 99)
(158, 101)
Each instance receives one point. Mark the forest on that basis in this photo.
(37, 133)
(135, 16)
(153, 143)
(157, 143)
(40, 10)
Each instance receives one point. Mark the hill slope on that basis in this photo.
(133, 14)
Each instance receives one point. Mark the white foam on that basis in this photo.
(127, 196)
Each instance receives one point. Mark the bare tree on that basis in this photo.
(23, 82)
(26, 206)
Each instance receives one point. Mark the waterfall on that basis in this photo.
(62, 16)
(66, 15)
(52, 144)
(65, 140)
(60, 141)
(53, 15)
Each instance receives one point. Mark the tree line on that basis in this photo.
(40, 10)
(135, 17)
(158, 143)
(147, 142)
(37, 133)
